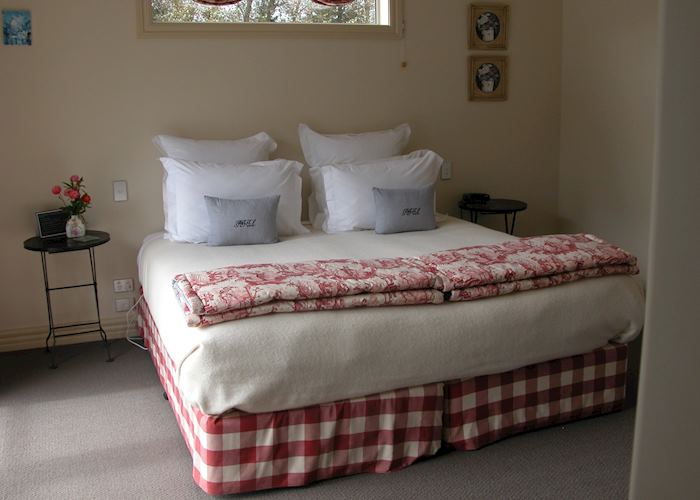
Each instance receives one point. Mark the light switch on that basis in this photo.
(123, 285)
(120, 192)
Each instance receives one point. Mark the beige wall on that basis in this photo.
(609, 67)
(89, 95)
(667, 439)
(608, 109)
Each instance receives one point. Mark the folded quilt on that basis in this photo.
(527, 263)
(410, 297)
(238, 292)
(484, 291)
(468, 273)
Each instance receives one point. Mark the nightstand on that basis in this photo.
(88, 242)
(494, 206)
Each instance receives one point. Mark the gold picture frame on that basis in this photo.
(488, 78)
(488, 26)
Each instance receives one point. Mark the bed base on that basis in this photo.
(482, 410)
(241, 452)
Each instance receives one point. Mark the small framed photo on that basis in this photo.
(16, 27)
(52, 223)
(488, 78)
(488, 26)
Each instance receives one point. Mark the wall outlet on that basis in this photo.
(123, 285)
(123, 304)
(446, 170)
(120, 191)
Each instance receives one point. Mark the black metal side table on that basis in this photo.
(494, 206)
(91, 240)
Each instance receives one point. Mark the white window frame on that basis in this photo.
(148, 29)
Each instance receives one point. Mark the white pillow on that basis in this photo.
(187, 182)
(238, 152)
(348, 188)
(318, 209)
(320, 149)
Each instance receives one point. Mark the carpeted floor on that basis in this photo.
(95, 430)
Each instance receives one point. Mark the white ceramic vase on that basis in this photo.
(487, 86)
(75, 227)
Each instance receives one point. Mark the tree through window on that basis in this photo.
(309, 12)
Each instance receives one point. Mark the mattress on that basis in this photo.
(286, 361)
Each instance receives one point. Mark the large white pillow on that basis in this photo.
(320, 149)
(186, 183)
(318, 209)
(348, 188)
(239, 151)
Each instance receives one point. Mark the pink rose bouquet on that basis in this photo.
(73, 195)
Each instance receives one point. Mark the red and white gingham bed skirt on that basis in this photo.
(241, 452)
(481, 410)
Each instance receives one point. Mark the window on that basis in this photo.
(372, 18)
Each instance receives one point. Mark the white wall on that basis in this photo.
(609, 67)
(608, 109)
(667, 436)
(89, 94)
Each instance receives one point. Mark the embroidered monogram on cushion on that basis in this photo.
(245, 223)
(410, 211)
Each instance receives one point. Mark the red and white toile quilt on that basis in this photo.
(469, 273)
(237, 292)
(527, 263)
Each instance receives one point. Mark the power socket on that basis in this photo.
(123, 285)
(446, 170)
(123, 304)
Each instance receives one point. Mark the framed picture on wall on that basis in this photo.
(488, 26)
(488, 78)
(16, 27)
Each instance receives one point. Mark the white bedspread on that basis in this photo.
(286, 361)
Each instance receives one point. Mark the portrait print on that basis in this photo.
(488, 26)
(487, 77)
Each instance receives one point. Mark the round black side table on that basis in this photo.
(45, 246)
(494, 206)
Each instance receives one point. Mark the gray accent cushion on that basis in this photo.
(242, 222)
(401, 210)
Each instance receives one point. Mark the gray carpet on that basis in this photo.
(92, 429)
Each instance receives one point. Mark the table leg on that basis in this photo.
(512, 223)
(53, 364)
(103, 335)
(51, 334)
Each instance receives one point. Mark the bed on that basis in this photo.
(288, 399)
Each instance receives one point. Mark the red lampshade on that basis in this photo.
(328, 3)
(332, 3)
(217, 2)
